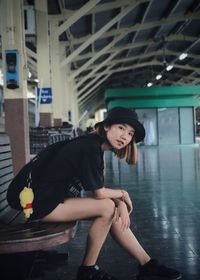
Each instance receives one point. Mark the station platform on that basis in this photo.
(165, 189)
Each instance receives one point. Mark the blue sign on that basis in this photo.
(44, 95)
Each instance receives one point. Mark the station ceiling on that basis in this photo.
(127, 43)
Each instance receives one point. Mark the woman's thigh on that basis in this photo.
(81, 208)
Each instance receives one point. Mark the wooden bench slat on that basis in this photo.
(4, 139)
(5, 163)
(4, 204)
(6, 155)
(5, 149)
(7, 177)
(4, 187)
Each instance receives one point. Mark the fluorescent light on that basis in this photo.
(29, 74)
(30, 94)
(183, 56)
(1, 77)
(149, 84)
(169, 67)
(158, 77)
(162, 109)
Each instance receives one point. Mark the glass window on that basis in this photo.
(168, 126)
(187, 125)
(148, 118)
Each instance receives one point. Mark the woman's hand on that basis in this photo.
(127, 200)
(122, 214)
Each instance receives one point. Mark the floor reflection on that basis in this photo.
(165, 189)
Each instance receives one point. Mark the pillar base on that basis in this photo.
(57, 122)
(17, 128)
(45, 119)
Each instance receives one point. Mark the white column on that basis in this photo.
(16, 102)
(43, 57)
(56, 75)
(70, 100)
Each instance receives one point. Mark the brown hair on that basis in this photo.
(129, 153)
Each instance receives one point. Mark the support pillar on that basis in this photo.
(56, 75)
(43, 56)
(16, 101)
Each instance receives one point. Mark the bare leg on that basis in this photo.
(81, 208)
(127, 240)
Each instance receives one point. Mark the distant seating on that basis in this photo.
(56, 137)
(42, 137)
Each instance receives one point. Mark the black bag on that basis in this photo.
(32, 169)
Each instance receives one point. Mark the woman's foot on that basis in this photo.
(92, 273)
(153, 271)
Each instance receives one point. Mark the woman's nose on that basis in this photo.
(124, 135)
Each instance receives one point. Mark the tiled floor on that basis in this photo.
(165, 189)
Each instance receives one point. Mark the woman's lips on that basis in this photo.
(120, 143)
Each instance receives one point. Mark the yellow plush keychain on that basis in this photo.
(26, 197)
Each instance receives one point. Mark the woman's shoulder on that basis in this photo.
(91, 138)
(89, 142)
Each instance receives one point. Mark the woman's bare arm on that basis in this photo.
(114, 194)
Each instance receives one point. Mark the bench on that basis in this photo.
(16, 234)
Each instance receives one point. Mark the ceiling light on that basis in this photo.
(29, 74)
(1, 77)
(30, 94)
(149, 84)
(169, 67)
(183, 56)
(158, 77)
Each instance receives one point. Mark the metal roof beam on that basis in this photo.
(107, 49)
(76, 16)
(93, 81)
(99, 33)
(96, 55)
(32, 63)
(142, 26)
(95, 86)
(175, 3)
(90, 97)
(96, 68)
(151, 63)
(145, 55)
(103, 7)
(31, 53)
(174, 37)
(142, 21)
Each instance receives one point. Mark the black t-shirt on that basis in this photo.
(80, 158)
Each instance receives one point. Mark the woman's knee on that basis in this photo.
(108, 208)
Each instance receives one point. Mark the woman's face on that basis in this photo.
(119, 135)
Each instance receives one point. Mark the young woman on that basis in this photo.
(79, 163)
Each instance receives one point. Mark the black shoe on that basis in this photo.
(93, 273)
(153, 270)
